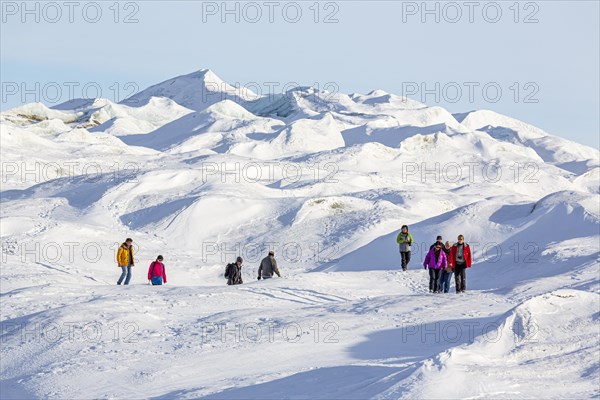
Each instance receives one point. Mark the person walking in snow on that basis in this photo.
(157, 274)
(460, 260)
(233, 272)
(125, 260)
(437, 240)
(436, 261)
(446, 275)
(404, 240)
(268, 265)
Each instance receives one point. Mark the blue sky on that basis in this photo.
(535, 61)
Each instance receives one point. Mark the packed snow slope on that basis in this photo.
(201, 171)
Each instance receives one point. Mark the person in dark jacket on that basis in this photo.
(157, 274)
(233, 272)
(460, 260)
(404, 240)
(446, 276)
(267, 266)
(437, 240)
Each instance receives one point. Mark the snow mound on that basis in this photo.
(557, 332)
(301, 102)
(476, 120)
(35, 112)
(309, 136)
(118, 119)
(218, 127)
(565, 154)
(381, 100)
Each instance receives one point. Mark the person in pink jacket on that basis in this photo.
(436, 260)
(157, 274)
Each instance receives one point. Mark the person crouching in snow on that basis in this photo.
(157, 274)
(436, 260)
(404, 240)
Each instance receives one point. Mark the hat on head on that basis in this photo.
(271, 253)
(439, 237)
(159, 257)
(239, 259)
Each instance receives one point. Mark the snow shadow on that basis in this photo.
(145, 216)
(554, 244)
(418, 342)
(80, 191)
(13, 389)
(343, 382)
(390, 137)
(407, 346)
(172, 133)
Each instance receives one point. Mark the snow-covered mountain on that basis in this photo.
(201, 171)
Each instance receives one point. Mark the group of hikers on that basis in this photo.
(442, 260)
(266, 269)
(157, 273)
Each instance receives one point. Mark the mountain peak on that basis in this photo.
(205, 74)
(196, 91)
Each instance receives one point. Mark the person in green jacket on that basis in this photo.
(404, 241)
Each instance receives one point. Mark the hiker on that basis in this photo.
(436, 261)
(404, 240)
(233, 272)
(267, 266)
(125, 260)
(157, 274)
(437, 240)
(460, 260)
(446, 272)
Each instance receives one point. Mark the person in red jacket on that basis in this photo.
(157, 274)
(460, 260)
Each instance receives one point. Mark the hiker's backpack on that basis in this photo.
(228, 269)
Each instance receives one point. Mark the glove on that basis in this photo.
(424, 267)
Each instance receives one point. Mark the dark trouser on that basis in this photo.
(460, 277)
(445, 281)
(434, 277)
(126, 274)
(405, 256)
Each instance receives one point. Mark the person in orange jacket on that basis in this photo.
(125, 260)
(460, 260)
